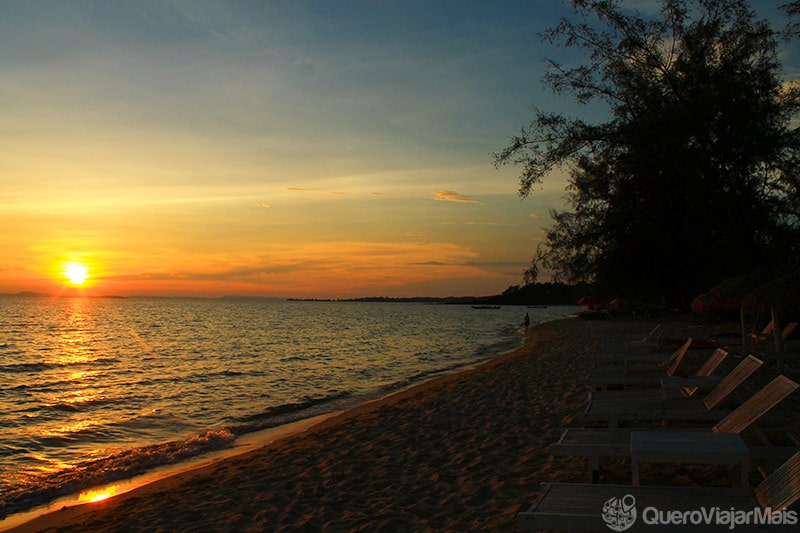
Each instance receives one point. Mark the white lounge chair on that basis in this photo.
(586, 507)
(625, 374)
(613, 410)
(671, 386)
(594, 443)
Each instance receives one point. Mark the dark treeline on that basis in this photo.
(542, 294)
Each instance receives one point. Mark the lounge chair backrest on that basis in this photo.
(754, 408)
(652, 332)
(676, 358)
(782, 487)
(708, 368)
(764, 332)
(732, 381)
(712, 363)
(788, 330)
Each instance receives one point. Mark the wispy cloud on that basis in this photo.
(316, 191)
(452, 196)
(534, 215)
(487, 223)
(323, 267)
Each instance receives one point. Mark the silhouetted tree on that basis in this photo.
(694, 177)
(793, 10)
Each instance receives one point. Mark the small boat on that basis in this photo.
(486, 307)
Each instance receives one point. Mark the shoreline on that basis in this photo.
(353, 469)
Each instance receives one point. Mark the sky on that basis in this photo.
(327, 149)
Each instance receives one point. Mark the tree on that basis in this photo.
(693, 178)
(793, 10)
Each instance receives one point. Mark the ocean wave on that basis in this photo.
(287, 408)
(78, 405)
(31, 491)
(93, 434)
(43, 366)
(21, 368)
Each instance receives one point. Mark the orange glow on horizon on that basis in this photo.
(415, 266)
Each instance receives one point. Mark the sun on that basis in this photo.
(76, 273)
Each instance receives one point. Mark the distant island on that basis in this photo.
(411, 299)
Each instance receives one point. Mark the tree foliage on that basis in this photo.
(694, 176)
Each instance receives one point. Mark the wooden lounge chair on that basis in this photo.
(779, 338)
(586, 507)
(703, 378)
(651, 342)
(671, 386)
(594, 443)
(626, 375)
(765, 333)
(627, 357)
(790, 327)
(614, 410)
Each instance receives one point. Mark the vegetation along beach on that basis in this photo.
(278, 266)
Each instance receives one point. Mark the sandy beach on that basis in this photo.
(462, 452)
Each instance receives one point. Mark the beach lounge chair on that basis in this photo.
(613, 410)
(703, 378)
(671, 386)
(651, 342)
(779, 339)
(765, 333)
(790, 327)
(626, 357)
(594, 443)
(626, 374)
(586, 507)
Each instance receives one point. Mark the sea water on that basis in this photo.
(97, 390)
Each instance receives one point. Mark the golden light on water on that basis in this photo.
(99, 495)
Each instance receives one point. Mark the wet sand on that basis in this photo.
(461, 452)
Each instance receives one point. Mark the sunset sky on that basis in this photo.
(276, 148)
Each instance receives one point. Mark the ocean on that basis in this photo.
(98, 390)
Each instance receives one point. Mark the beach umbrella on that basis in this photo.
(729, 295)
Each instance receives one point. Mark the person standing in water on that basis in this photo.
(526, 321)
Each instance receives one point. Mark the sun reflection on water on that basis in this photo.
(98, 495)
(49, 464)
